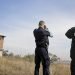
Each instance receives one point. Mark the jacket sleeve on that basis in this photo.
(70, 33)
(46, 32)
(34, 32)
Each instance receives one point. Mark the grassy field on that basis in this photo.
(19, 66)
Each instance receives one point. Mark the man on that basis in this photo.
(41, 51)
(71, 35)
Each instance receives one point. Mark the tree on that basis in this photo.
(53, 58)
(5, 53)
(11, 54)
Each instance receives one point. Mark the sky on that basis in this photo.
(18, 19)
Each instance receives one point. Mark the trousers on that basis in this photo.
(73, 67)
(41, 55)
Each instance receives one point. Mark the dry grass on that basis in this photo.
(16, 66)
(60, 69)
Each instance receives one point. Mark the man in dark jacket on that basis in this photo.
(71, 35)
(41, 51)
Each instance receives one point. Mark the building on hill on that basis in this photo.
(1, 44)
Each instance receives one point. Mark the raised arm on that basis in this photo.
(47, 31)
(70, 33)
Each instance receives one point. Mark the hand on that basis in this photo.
(45, 27)
(74, 34)
(51, 36)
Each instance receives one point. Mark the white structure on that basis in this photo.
(1, 44)
(1, 52)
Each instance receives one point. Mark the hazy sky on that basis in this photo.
(18, 19)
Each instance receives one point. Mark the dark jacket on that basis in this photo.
(71, 35)
(41, 37)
